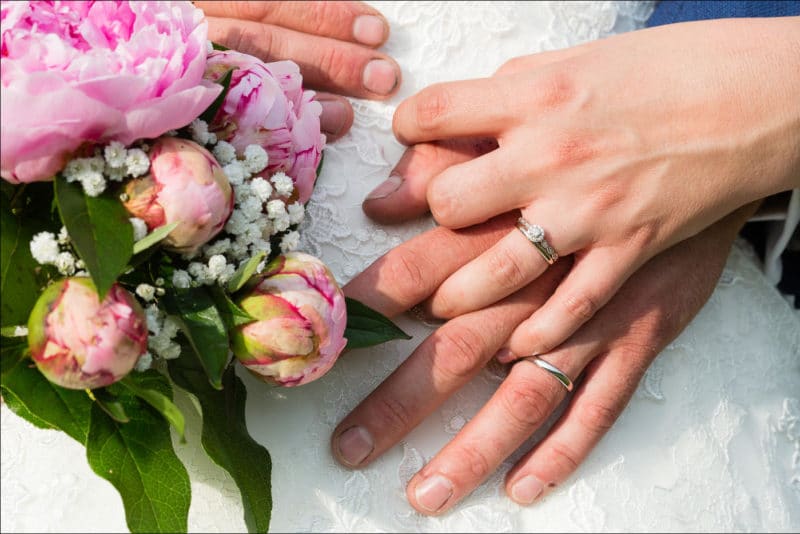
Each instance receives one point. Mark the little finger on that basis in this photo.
(594, 279)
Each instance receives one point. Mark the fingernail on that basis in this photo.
(334, 116)
(379, 77)
(369, 29)
(354, 445)
(389, 186)
(505, 355)
(526, 489)
(433, 493)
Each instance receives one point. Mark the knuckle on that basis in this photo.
(512, 65)
(506, 269)
(475, 460)
(458, 352)
(581, 306)
(598, 417)
(256, 11)
(554, 89)
(432, 107)
(563, 458)
(525, 404)
(391, 414)
(441, 200)
(406, 270)
(572, 149)
(336, 64)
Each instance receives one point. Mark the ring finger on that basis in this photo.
(510, 264)
(523, 402)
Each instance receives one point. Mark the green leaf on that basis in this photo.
(232, 314)
(154, 237)
(211, 112)
(12, 350)
(245, 272)
(99, 229)
(226, 440)
(201, 322)
(45, 404)
(219, 47)
(110, 404)
(366, 327)
(162, 404)
(18, 283)
(138, 459)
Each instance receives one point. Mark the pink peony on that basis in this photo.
(78, 342)
(186, 185)
(301, 320)
(94, 72)
(266, 106)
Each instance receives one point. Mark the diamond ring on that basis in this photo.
(535, 235)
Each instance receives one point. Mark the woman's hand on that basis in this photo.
(332, 42)
(619, 149)
(612, 350)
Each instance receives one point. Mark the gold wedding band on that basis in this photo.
(535, 234)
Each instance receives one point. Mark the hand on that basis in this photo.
(612, 351)
(332, 42)
(619, 148)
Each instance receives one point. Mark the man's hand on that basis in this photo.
(332, 42)
(611, 351)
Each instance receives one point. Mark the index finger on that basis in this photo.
(346, 21)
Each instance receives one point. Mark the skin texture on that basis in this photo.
(619, 148)
(334, 43)
(611, 351)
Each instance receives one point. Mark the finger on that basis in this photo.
(337, 115)
(346, 21)
(474, 191)
(605, 390)
(522, 403)
(444, 362)
(594, 279)
(326, 64)
(510, 264)
(403, 195)
(408, 274)
(469, 108)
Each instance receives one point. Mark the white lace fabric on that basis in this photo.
(710, 441)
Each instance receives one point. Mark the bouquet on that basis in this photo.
(153, 187)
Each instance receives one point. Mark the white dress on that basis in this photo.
(710, 441)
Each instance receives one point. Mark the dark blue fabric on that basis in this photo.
(670, 11)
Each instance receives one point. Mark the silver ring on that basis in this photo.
(553, 370)
(535, 234)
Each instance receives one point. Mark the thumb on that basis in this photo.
(403, 196)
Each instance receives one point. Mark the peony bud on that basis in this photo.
(186, 185)
(267, 106)
(78, 342)
(301, 320)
